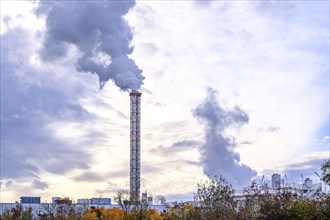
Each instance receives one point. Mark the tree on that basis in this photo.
(248, 202)
(275, 206)
(144, 214)
(304, 209)
(102, 213)
(184, 212)
(216, 199)
(62, 208)
(123, 199)
(17, 213)
(325, 167)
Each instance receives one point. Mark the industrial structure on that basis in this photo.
(276, 181)
(39, 208)
(146, 200)
(135, 147)
(306, 190)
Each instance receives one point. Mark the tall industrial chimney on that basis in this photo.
(135, 146)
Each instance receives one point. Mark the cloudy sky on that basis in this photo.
(232, 88)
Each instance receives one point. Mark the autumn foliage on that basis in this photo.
(102, 213)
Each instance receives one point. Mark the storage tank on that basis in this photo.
(160, 200)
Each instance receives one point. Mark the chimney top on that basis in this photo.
(135, 92)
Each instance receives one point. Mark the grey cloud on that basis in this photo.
(178, 125)
(217, 155)
(313, 164)
(92, 135)
(144, 90)
(176, 147)
(14, 165)
(194, 163)
(161, 150)
(30, 103)
(9, 183)
(159, 74)
(95, 176)
(111, 188)
(273, 129)
(146, 15)
(147, 168)
(148, 136)
(98, 29)
(6, 19)
(5, 183)
(155, 104)
(294, 170)
(270, 129)
(203, 3)
(37, 184)
(100, 103)
(273, 8)
(186, 144)
(220, 6)
(119, 173)
(225, 31)
(90, 176)
(248, 142)
(150, 48)
(122, 115)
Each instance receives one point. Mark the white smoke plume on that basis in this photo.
(217, 153)
(99, 30)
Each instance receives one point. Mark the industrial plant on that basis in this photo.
(307, 189)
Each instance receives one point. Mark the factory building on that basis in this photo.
(146, 199)
(100, 201)
(30, 200)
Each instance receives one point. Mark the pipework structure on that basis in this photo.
(135, 147)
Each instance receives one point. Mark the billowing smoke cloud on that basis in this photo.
(217, 153)
(100, 32)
